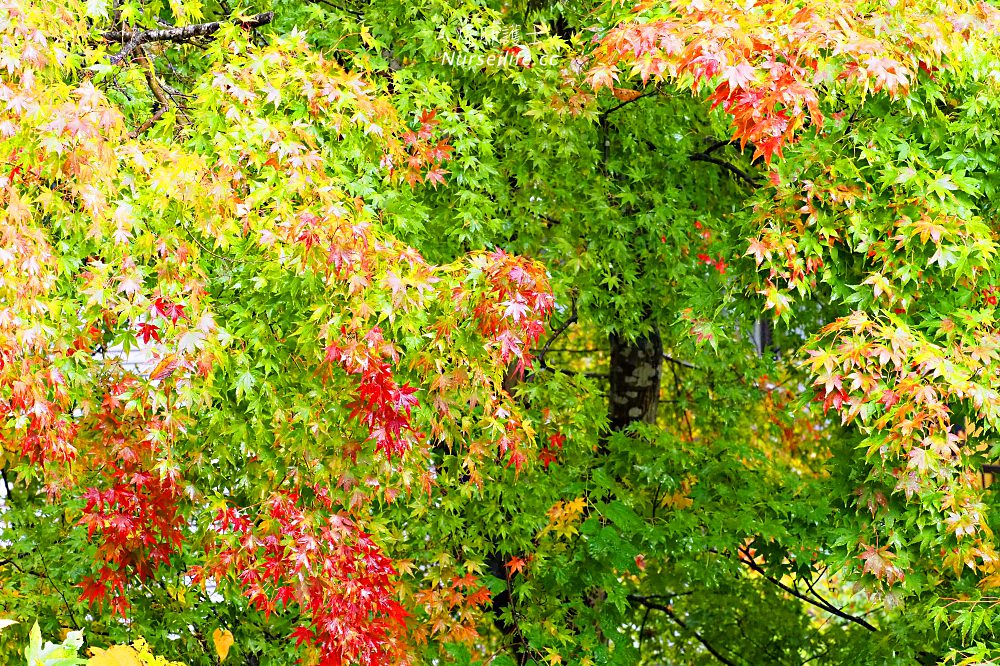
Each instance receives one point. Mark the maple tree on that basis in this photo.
(475, 332)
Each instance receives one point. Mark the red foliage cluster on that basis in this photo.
(168, 310)
(989, 295)
(134, 519)
(706, 243)
(39, 395)
(550, 452)
(512, 311)
(762, 84)
(381, 403)
(767, 61)
(322, 562)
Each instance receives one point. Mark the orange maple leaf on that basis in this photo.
(516, 564)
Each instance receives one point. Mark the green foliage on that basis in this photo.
(328, 238)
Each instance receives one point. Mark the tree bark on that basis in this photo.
(636, 368)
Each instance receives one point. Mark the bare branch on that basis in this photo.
(132, 39)
(820, 603)
(555, 336)
(151, 80)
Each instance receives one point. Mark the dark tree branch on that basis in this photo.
(132, 39)
(157, 114)
(645, 601)
(816, 594)
(605, 114)
(820, 603)
(715, 146)
(590, 375)
(642, 630)
(555, 335)
(683, 364)
(18, 567)
(735, 170)
(348, 10)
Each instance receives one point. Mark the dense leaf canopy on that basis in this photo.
(459, 331)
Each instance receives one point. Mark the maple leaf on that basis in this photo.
(603, 75)
(169, 310)
(875, 561)
(165, 368)
(302, 634)
(516, 565)
(428, 117)
(435, 176)
(759, 250)
(739, 76)
(909, 484)
(149, 332)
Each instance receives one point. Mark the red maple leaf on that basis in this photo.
(149, 332)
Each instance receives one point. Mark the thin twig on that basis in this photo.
(642, 630)
(590, 375)
(69, 609)
(46, 576)
(353, 12)
(17, 566)
(644, 601)
(816, 594)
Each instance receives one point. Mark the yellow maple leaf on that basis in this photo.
(223, 640)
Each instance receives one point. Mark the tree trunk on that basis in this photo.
(636, 368)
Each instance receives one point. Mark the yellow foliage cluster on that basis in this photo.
(137, 654)
(564, 516)
(680, 499)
